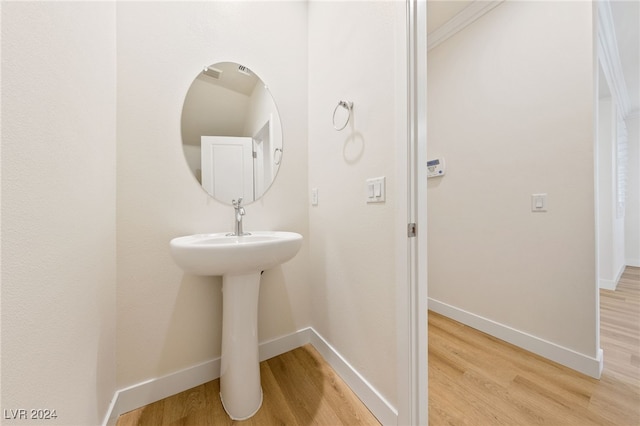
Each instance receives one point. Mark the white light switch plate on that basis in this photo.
(538, 202)
(375, 191)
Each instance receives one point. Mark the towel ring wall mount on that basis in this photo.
(348, 105)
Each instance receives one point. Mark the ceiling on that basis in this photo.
(626, 17)
(232, 76)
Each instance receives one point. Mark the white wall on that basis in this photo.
(632, 215)
(510, 107)
(168, 320)
(352, 243)
(58, 209)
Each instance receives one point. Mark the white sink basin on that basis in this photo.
(219, 254)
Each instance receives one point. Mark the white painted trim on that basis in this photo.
(152, 390)
(405, 376)
(607, 284)
(609, 58)
(375, 402)
(280, 345)
(464, 18)
(564, 356)
(633, 262)
(411, 253)
(611, 284)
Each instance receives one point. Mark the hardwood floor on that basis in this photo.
(299, 389)
(475, 379)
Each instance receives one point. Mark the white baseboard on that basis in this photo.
(372, 399)
(633, 262)
(611, 284)
(564, 356)
(607, 284)
(152, 390)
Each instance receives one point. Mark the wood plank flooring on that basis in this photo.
(299, 389)
(474, 379)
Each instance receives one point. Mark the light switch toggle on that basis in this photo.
(375, 190)
(538, 202)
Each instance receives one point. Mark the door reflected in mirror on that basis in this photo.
(231, 133)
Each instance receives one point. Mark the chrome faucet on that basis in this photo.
(239, 212)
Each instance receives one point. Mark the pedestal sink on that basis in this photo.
(240, 261)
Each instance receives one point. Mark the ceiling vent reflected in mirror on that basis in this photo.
(244, 70)
(231, 75)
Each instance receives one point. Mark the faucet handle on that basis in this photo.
(237, 203)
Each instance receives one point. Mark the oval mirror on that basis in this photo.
(231, 133)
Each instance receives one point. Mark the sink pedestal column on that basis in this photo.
(240, 388)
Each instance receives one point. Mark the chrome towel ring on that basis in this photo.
(348, 105)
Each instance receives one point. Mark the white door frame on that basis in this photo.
(412, 289)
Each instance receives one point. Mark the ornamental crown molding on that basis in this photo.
(464, 18)
(609, 58)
